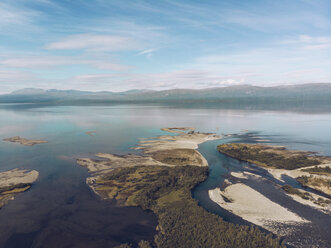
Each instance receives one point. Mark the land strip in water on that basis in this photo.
(24, 141)
(161, 180)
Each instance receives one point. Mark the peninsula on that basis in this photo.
(25, 142)
(15, 181)
(161, 180)
(164, 150)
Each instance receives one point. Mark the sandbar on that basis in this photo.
(254, 207)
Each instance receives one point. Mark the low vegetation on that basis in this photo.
(319, 170)
(182, 223)
(7, 192)
(293, 191)
(268, 156)
(305, 195)
(312, 181)
(14, 188)
(178, 157)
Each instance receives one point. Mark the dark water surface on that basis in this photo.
(60, 210)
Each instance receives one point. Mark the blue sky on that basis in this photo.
(121, 45)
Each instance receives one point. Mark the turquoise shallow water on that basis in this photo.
(61, 210)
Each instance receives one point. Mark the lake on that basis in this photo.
(60, 210)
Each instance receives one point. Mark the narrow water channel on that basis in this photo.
(220, 167)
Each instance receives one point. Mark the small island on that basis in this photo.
(161, 180)
(15, 181)
(25, 142)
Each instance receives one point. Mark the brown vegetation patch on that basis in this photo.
(178, 157)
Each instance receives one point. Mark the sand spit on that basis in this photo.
(25, 142)
(164, 150)
(254, 207)
(178, 130)
(189, 140)
(110, 162)
(15, 181)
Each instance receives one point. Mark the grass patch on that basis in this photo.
(178, 157)
(171, 197)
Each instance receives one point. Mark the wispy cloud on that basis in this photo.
(16, 18)
(147, 52)
(103, 45)
(92, 42)
(37, 62)
(182, 79)
(309, 42)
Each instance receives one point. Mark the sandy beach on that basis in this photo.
(254, 207)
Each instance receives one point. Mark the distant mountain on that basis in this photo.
(233, 94)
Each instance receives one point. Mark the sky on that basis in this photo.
(116, 45)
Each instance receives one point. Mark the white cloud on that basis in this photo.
(300, 73)
(105, 65)
(318, 46)
(10, 76)
(191, 79)
(87, 78)
(148, 52)
(92, 42)
(35, 62)
(310, 42)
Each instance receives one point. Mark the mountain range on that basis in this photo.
(320, 92)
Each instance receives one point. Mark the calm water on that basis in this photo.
(61, 211)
